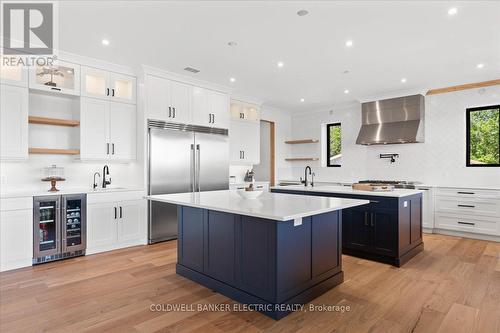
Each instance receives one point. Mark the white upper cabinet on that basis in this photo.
(13, 123)
(180, 94)
(108, 130)
(244, 142)
(61, 77)
(168, 100)
(14, 75)
(210, 108)
(111, 86)
(122, 128)
(94, 129)
(245, 111)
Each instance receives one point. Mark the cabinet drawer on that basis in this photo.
(16, 203)
(110, 197)
(467, 224)
(469, 206)
(468, 193)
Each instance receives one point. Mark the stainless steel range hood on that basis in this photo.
(391, 121)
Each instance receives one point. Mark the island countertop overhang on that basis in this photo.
(397, 193)
(273, 206)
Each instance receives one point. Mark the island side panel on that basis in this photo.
(307, 255)
(410, 227)
(190, 239)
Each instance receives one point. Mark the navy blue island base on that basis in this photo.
(271, 265)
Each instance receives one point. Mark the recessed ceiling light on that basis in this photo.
(232, 79)
(480, 66)
(232, 43)
(280, 64)
(302, 12)
(302, 100)
(403, 80)
(105, 42)
(346, 91)
(452, 11)
(349, 43)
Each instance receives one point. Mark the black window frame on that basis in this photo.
(328, 144)
(467, 134)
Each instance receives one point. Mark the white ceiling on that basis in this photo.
(416, 40)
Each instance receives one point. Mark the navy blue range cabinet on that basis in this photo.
(272, 265)
(388, 230)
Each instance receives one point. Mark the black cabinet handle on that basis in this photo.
(107, 91)
(213, 117)
(243, 154)
(209, 118)
(366, 218)
(113, 148)
(113, 92)
(121, 212)
(174, 111)
(467, 206)
(170, 112)
(115, 212)
(57, 89)
(465, 192)
(467, 223)
(107, 148)
(372, 219)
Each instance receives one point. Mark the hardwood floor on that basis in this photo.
(453, 286)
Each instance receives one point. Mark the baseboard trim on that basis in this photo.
(466, 235)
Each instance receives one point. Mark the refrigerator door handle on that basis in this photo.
(193, 168)
(198, 167)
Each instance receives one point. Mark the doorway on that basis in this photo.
(265, 170)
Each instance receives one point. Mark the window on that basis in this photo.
(334, 145)
(483, 136)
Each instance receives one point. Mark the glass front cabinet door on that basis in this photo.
(61, 77)
(13, 72)
(97, 83)
(46, 228)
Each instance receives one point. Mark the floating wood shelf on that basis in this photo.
(302, 159)
(53, 121)
(54, 151)
(295, 142)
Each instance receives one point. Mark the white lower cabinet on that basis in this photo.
(427, 207)
(115, 224)
(16, 233)
(468, 210)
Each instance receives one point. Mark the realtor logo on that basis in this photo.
(28, 28)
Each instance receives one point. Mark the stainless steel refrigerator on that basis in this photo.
(182, 158)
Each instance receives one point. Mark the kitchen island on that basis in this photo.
(387, 230)
(272, 253)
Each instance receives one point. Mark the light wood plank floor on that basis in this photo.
(453, 286)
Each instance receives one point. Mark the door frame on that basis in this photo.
(272, 150)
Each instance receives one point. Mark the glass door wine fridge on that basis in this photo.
(59, 227)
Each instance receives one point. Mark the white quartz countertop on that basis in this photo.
(274, 206)
(397, 193)
(19, 193)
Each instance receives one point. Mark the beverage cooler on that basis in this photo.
(59, 227)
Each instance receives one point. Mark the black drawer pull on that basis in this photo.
(57, 89)
(467, 206)
(465, 192)
(467, 223)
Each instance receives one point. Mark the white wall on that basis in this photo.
(439, 160)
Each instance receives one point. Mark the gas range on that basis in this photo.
(396, 183)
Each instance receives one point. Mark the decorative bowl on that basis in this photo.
(249, 194)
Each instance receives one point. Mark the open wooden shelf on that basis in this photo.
(54, 151)
(302, 159)
(295, 142)
(53, 121)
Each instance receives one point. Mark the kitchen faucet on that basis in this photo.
(95, 183)
(105, 171)
(305, 175)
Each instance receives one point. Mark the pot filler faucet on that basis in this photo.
(105, 172)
